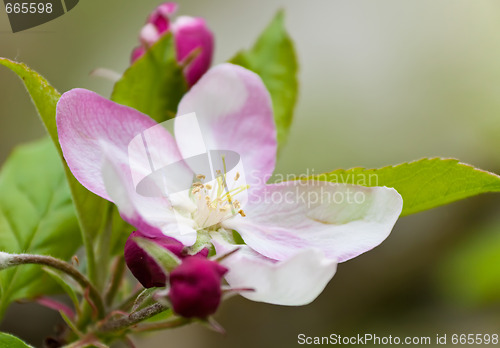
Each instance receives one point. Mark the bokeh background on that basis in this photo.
(382, 82)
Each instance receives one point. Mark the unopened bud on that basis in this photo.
(195, 287)
(144, 267)
(190, 34)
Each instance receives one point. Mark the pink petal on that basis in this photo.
(150, 215)
(234, 111)
(160, 17)
(191, 33)
(341, 220)
(149, 35)
(167, 8)
(295, 281)
(88, 123)
(137, 53)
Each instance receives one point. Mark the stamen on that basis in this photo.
(228, 196)
(237, 190)
(219, 186)
(215, 200)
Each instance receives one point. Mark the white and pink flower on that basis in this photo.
(291, 247)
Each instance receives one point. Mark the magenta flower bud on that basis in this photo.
(190, 33)
(195, 287)
(160, 17)
(144, 267)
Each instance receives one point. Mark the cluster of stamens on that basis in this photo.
(215, 201)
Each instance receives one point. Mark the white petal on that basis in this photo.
(341, 220)
(293, 282)
(147, 214)
(234, 111)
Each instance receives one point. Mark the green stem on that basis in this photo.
(132, 319)
(89, 253)
(76, 190)
(87, 341)
(129, 301)
(177, 322)
(119, 269)
(102, 247)
(23, 259)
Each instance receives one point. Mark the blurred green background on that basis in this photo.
(381, 83)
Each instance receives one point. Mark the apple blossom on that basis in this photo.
(291, 245)
(190, 33)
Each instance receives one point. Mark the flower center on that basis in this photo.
(216, 201)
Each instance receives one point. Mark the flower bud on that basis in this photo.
(144, 267)
(190, 33)
(195, 287)
(160, 17)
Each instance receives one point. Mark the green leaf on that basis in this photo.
(9, 341)
(119, 234)
(164, 257)
(90, 208)
(44, 96)
(36, 216)
(155, 83)
(160, 316)
(273, 58)
(59, 279)
(145, 299)
(423, 184)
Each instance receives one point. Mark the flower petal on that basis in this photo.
(149, 35)
(234, 111)
(293, 282)
(150, 215)
(87, 122)
(160, 17)
(341, 220)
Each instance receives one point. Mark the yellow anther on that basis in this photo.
(200, 177)
(237, 176)
(236, 204)
(208, 187)
(241, 213)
